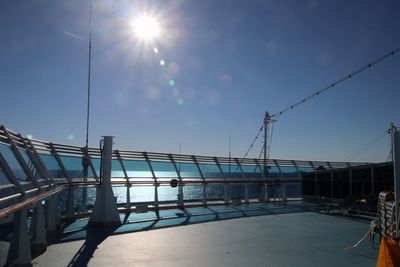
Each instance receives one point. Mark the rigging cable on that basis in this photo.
(349, 76)
(270, 140)
(317, 93)
(252, 144)
(367, 146)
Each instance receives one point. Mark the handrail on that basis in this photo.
(28, 202)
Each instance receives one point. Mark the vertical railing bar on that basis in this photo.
(265, 177)
(259, 167)
(331, 169)
(246, 185)
(20, 159)
(10, 174)
(226, 188)
(299, 174)
(315, 179)
(283, 185)
(203, 178)
(180, 186)
(53, 151)
(34, 156)
(146, 157)
(297, 169)
(372, 180)
(350, 179)
(128, 185)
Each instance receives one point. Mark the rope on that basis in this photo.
(349, 76)
(362, 239)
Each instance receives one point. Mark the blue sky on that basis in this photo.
(230, 61)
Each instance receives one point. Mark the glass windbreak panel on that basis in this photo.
(293, 190)
(236, 191)
(231, 170)
(215, 192)
(96, 165)
(306, 169)
(142, 194)
(73, 165)
(52, 166)
(167, 193)
(210, 170)
(13, 163)
(116, 169)
(188, 170)
(273, 172)
(275, 190)
(120, 193)
(31, 166)
(164, 169)
(194, 192)
(256, 191)
(289, 172)
(137, 169)
(3, 178)
(251, 171)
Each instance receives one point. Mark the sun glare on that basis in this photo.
(146, 27)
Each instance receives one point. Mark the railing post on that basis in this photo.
(70, 202)
(39, 244)
(105, 210)
(51, 218)
(19, 253)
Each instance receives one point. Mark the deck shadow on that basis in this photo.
(94, 237)
(181, 217)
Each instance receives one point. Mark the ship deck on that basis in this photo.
(292, 234)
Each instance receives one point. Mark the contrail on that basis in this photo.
(73, 35)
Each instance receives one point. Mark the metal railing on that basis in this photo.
(46, 165)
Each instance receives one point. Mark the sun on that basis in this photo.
(146, 27)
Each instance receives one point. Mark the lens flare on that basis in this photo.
(162, 62)
(171, 82)
(146, 27)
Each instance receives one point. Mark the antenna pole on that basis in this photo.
(266, 121)
(88, 88)
(86, 157)
(229, 150)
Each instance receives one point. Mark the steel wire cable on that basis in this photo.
(317, 93)
(348, 76)
(366, 146)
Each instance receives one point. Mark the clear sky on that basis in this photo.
(226, 63)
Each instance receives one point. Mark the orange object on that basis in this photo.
(389, 253)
